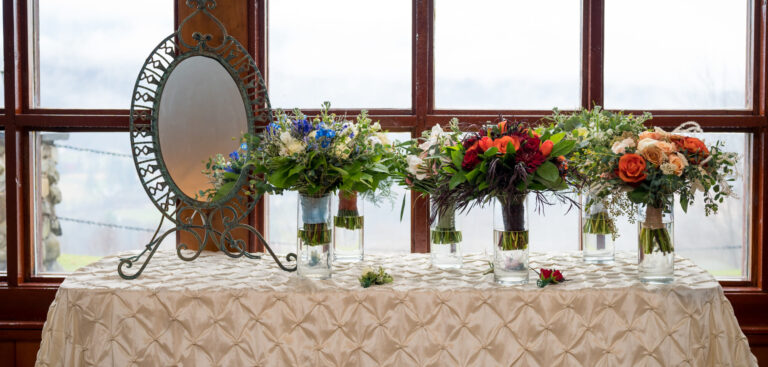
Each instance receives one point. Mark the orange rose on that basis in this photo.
(667, 148)
(649, 149)
(485, 143)
(631, 168)
(678, 161)
(696, 147)
(546, 147)
(503, 126)
(501, 143)
(677, 139)
(650, 135)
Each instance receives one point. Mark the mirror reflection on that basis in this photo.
(201, 115)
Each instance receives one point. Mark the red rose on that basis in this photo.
(470, 141)
(558, 276)
(545, 273)
(471, 159)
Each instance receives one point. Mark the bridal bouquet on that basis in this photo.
(503, 163)
(425, 167)
(596, 131)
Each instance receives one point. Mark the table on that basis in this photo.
(237, 312)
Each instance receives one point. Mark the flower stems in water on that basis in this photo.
(348, 220)
(314, 234)
(655, 238)
(599, 223)
(513, 240)
(445, 236)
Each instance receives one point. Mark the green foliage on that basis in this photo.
(371, 277)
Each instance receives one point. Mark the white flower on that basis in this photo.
(374, 140)
(620, 147)
(414, 164)
(383, 138)
(313, 134)
(367, 270)
(668, 168)
(376, 126)
(290, 144)
(342, 150)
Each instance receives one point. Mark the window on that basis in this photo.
(507, 54)
(359, 59)
(91, 60)
(683, 61)
(89, 202)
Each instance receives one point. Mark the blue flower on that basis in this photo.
(244, 146)
(234, 156)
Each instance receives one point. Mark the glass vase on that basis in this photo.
(656, 250)
(348, 228)
(510, 236)
(445, 240)
(598, 231)
(315, 253)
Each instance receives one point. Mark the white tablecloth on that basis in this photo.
(238, 312)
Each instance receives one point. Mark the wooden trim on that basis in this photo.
(593, 29)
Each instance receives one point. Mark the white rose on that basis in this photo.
(414, 168)
(620, 147)
(376, 126)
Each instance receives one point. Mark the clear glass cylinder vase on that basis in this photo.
(510, 236)
(598, 231)
(315, 251)
(445, 240)
(656, 250)
(348, 222)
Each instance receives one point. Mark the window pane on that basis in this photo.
(91, 51)
(384, 231)
(693, 56)
(89, 202)
(477, 228)
(352, 53)
(503, 54)
(718, 243)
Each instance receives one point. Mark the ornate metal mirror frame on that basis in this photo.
(189, 214)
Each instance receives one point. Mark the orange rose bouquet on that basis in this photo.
(647, 168)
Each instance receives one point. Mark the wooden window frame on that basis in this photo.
(25, 297)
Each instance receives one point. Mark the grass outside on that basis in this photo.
(70, 262)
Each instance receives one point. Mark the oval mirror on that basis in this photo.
(201, 114)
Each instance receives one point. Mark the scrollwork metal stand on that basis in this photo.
(198, 218)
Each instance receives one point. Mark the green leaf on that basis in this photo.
(562, 148)
(223, 190)
(557, 137)
(638, 195)
(457, 158)
(548, 171)
(490, 152)
(402, 206)
(684, 203)
(456, 180)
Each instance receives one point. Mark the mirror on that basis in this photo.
(191, 104)
(201, 114)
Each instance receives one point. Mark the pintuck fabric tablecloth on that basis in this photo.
(220, 311)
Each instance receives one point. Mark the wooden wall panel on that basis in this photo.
(234, 15)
